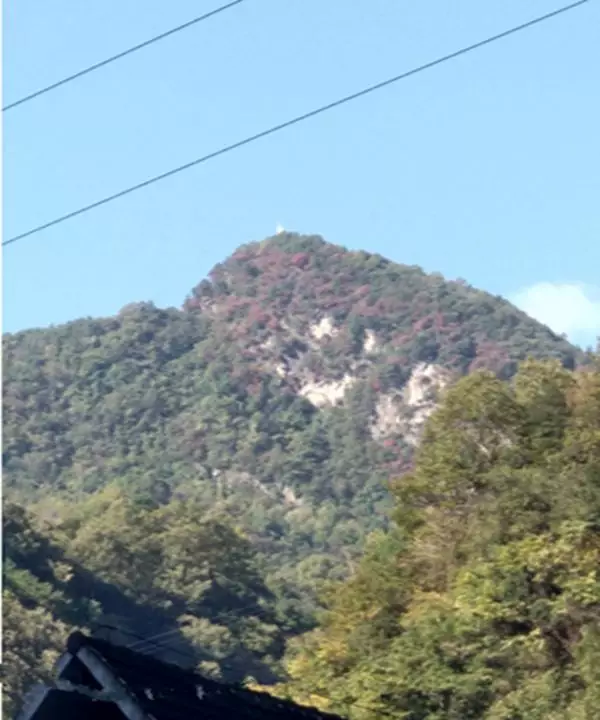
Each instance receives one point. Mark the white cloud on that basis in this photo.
(569, 308)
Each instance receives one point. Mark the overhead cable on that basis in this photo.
(121, 55)
(294, 121)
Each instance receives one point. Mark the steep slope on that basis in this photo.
(483, 601)
(323, 319)
(291, 386)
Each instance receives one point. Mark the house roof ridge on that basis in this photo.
(146, 686)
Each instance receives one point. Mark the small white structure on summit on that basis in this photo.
(279, 230)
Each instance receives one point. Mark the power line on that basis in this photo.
(141, 640)
(121, 55)
(192, 657)
(295, 121)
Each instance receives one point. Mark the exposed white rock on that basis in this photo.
(370, 342)
(325, 393)
(269, 343)
(406, 411)
(324, 328)
(425, 379)
(234, 478)
(281, 370)
(387, 416)
(414, 426)
(290, 498)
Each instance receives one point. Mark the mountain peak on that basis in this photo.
(297, 281)
(295, 319)
(285, 241)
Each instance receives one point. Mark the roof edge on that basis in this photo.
(102, 672)
(33, 701)
(75, 642)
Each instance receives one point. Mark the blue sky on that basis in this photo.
(485, 168)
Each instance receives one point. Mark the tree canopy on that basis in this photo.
(483, 601)
(182, 473)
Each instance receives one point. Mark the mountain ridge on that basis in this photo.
(283, 396)
(292, 316)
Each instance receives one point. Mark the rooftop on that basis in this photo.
(109, 682)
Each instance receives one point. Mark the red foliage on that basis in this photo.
(423, 323)
(401, 339)
(438, 321)
(490, 356)
(192, 303)
(254, 388)
(242, 256)
(300, 260)
(256, 315)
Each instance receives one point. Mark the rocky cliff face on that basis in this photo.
(324, 320)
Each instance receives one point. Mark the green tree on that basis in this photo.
(488, 606)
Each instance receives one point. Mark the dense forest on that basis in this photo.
(206, 477)
(483, 599)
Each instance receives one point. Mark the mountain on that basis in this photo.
(269, 412)
(289, 388)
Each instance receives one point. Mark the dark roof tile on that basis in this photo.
(169, 692)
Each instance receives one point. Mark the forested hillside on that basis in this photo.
(483, 601)
(256, 428)
(179, 572)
